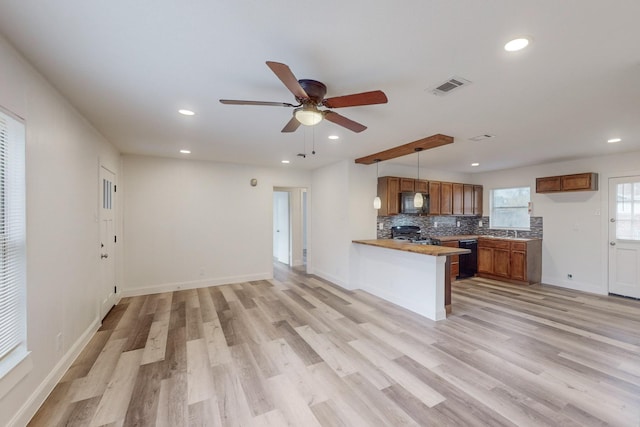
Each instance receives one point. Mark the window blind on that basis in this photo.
(12, 238)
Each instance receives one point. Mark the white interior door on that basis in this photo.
(624, 236)
(107, 284)
(281, 227)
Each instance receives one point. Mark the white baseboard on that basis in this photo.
(33, 403)
(575, 285)
(331, 278)
(194, 284)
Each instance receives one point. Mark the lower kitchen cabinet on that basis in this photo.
(506, 259)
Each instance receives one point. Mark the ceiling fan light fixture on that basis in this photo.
(308, 116)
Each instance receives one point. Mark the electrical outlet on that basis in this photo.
(435, 224)
(479, 223)
(380, 225)
(458, 224)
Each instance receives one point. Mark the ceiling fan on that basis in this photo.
(310, 95)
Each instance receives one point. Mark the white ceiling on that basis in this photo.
(128, 66)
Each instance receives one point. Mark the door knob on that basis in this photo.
(104, 256)
(612, 220)
(612, 243)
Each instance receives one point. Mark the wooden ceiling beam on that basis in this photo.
(432, 141)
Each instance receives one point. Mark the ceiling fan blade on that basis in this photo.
(238, 102)
(364, 98)
(343, 121)
(286, 76)
(292, 126)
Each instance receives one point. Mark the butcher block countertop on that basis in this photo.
(401, 245)
(474, 236)
(456, 238)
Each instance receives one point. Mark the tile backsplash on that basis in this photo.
(448, 225)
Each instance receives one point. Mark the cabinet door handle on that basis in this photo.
(612, 243)
(104, 256)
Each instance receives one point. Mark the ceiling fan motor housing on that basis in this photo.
(315, 89)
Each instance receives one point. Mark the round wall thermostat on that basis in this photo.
(254, 182)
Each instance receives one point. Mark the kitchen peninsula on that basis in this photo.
(414, 276)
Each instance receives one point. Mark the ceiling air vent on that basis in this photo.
(481, 137)
(450, 85)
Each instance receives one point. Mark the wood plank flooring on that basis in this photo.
(299, 351)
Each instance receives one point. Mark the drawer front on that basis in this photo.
(518, 246)
(491, 243)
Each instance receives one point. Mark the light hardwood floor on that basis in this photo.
(299, 351)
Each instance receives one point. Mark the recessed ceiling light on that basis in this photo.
(286, 162)
(185, 151)
(613, 140)
(186, 112)
(517, 44)
(475, 164)
(334, 137)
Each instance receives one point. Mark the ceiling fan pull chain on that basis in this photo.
(313, 135)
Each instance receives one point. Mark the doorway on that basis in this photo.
(107, 283)
(281, 227)
(624, 236)
(290, 226)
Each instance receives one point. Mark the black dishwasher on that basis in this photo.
(468, 262)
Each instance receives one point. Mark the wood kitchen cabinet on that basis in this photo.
(389, 193)
(434, 197)
(577, 182)
(455, 259)
(421, 186)
(457, 198)
(506, 259)
(518, 261)
(407, 185)
(467, 197)
(493, 257)
(477, 200)
(446, 198)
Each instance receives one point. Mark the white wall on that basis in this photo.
(193, 223)
(390, 169)
(63, 152)
(342, 207)
(575, 224)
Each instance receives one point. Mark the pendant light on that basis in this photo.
(418, 201)
(377, 203)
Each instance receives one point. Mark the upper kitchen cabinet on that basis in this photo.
(421, 186)
(434, 197)
(577, 182)
(467, 190)
(457, 198)
(477, 200)
(472, 199)
(388, 191)
(446, 198)
(407, 185)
